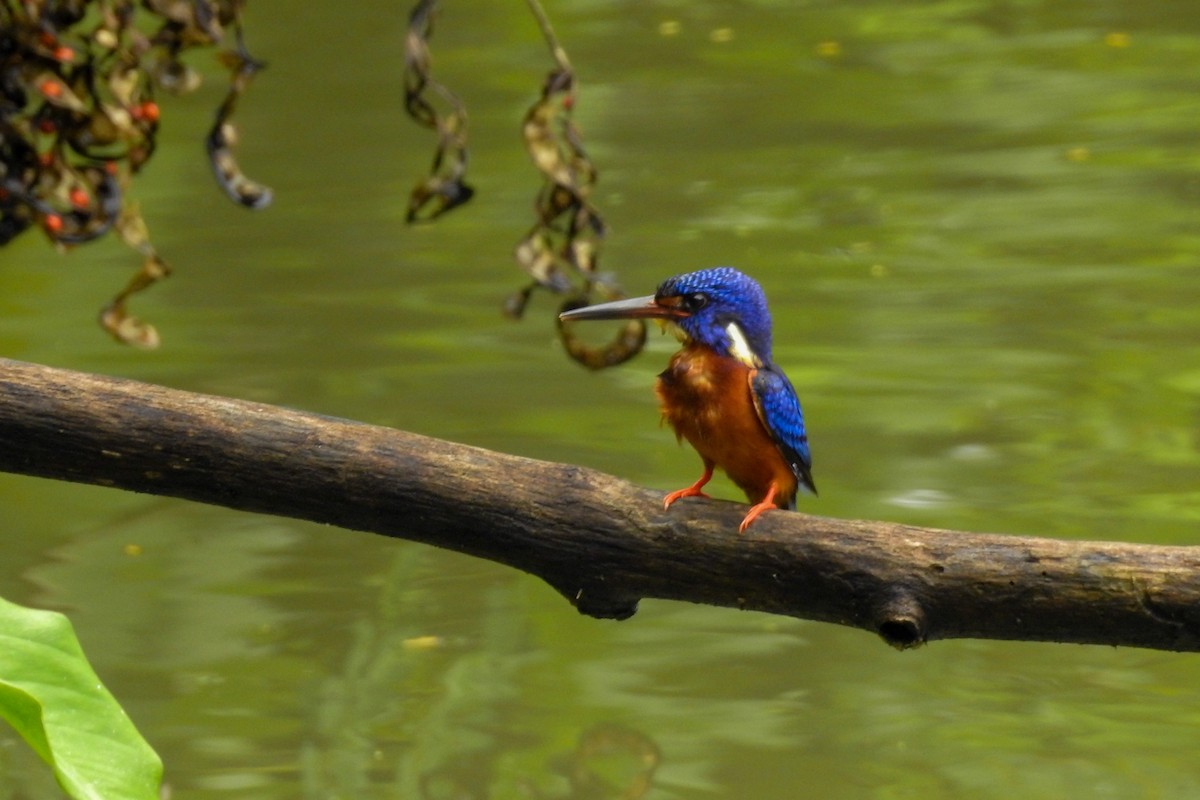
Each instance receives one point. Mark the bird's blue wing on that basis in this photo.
(779, 409)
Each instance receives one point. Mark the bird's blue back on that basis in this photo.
(779, 409)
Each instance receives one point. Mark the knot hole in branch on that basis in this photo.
(900, 620)
(595, 599)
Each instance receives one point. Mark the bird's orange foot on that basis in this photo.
(754, 514)
(691, 491)
(756, 511)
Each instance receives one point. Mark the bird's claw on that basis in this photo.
(690, 491)
(755, 513)
(759, 509)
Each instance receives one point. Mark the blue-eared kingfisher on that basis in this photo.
(722, 391)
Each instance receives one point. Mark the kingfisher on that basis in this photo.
(722, 391)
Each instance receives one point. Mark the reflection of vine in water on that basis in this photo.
(413, 712)
(610, 762)
(78, 120)
(561, 250)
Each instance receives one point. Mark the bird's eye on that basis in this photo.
(695, 302)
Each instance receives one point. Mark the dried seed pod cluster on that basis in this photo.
(445, 187)
(569, 231)
(79, 118)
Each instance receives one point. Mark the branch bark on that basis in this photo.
(603, 543)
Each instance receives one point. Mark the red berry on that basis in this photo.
(51, 89)
(53, 224)
(79, 198)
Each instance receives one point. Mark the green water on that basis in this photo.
(978, 224)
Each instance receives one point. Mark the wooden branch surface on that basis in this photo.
(602, 542)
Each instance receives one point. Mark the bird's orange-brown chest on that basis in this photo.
(708, 400)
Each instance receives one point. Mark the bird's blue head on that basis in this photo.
(720, 308)
(723, 309)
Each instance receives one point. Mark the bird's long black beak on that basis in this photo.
(637, 308)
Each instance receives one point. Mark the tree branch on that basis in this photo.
(600, 541)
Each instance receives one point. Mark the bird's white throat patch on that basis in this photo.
(740, 348)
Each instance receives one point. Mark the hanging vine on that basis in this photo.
(560, 252)
(445, 187)
(79, 119)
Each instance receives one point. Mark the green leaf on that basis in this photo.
(50, 694)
